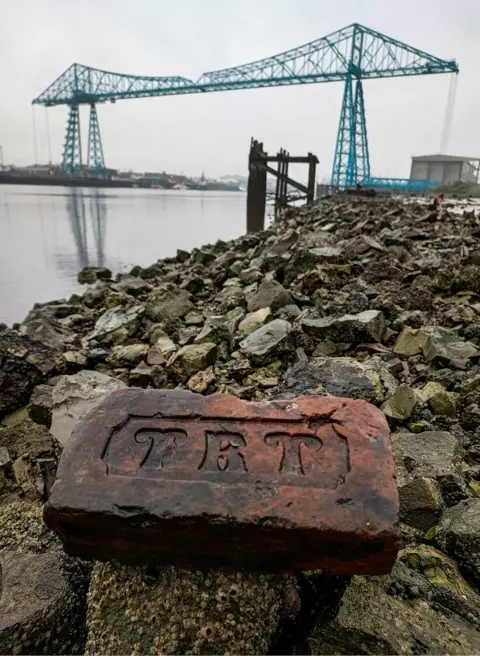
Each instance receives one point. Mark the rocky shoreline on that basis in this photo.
(371, 298)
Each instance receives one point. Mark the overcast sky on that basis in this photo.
(39, 39)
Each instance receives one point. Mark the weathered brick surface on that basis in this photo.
(153, 476)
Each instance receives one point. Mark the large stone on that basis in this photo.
(373, 620)
(163, 344)
(431, 454)
(254, 320)
(302, 261)
(40, 406)
(410, 341)
(168, 304)
(268, 342)
(216, 330)
(440, 401)
(200, 381)
(42, 324)
(350, 328)
(43, 591)
(34, 457)
(249, 276)
(401, 404)
(24, 363)
(459, 535)
(129, 354)
(133, 285)
(73, 396)
(143, 375)
(91, 274)
(116, 324)
(443, 347)
(420, 503)
(270, 294)
(191, 359)
(344, 377)
(171, 611)
(283, 243)
(214, 481)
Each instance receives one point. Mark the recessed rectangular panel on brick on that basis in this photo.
(154, 476)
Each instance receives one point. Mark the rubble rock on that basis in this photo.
(191, 359)
(271, 294)
(343, 377)
(24, 363)
(441, 346)
(254, 320)
(133, 286)
(44, 591)
(216, 330)
(431, 454)
(141, 376)
(115, 325)
(268, 342)
(168, 304)
(458, 534)
(351, 328)
(43, 325)
(410, 341)
(33, 455)
(130, 354)
(40, 406)
(249, 276)
(387, 615)
(440, 401)
(401, 404)
(73, 396)
(74, 359)
(200, 381)
(163, 343)
(420, 503)
(90, 274)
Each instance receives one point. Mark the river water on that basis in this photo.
(47, 234)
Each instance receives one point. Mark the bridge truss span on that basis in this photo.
(351, 55)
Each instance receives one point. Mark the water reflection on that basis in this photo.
(76, 206)
(47, 234)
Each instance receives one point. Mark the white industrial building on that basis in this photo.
(445, 169)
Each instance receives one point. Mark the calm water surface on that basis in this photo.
(47, 234)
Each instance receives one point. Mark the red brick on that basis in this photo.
(152, 476)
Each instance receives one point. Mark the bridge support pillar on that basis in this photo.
(72, 150)
(351, 164)
(95, 158)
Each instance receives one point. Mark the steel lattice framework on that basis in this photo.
(352, 54)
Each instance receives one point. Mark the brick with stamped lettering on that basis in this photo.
(153, 476)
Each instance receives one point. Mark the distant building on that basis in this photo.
(445, 169)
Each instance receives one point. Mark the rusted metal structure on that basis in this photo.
(287, 189)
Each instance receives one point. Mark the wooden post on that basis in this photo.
(278, 185)
(312, 166)
(256, 188)
(258, 167)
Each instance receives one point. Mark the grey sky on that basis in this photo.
(211, 132)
